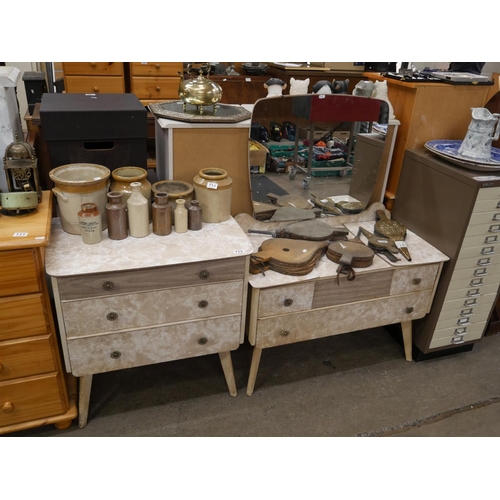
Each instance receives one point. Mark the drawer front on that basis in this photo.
(363, 287)
(492, 193)
(23, 358)
(485, 239)
(490, 217)
(155, 88)
(198, 273)
(485, 229)
(117, 351)
(95, 84)
(31, 398)
(414, 279)
(297, 327)
(468, 302)
(22, 316)
(93, 68)
(486, 205)
(471, 293)
(479, 252)
(467, 314)
(474, 331)
(156, 69)
(285, 299)
(470, 283)
(476, 272)
(455, 340)
(112, 314)
(18, 273)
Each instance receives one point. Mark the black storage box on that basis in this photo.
(34, 86)
(107, 129)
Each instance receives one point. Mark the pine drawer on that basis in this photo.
(155, 87)
(18, 273)
(94, 84)
(93, 68)
(156, 68)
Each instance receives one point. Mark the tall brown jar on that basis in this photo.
(162, 214)
(194, 216)
(116, 216)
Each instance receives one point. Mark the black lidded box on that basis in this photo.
(107, 129)
(35, 86)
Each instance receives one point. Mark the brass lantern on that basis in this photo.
(21, 170)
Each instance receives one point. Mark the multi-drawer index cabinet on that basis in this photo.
(458, 211)
(34, 390)
(139, 301)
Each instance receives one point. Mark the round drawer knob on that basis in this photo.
(157, 66)
(112, 316)
(96, 89)
(115, 354)
(93, 65)
(204, 275)
(409, 310)
(202, 341)
(7, 407)
(285, 333)
(288, 302)
(158, 89)
(417, 281)
(108, 285)
(202, 304)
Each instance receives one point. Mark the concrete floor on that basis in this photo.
(356, 384)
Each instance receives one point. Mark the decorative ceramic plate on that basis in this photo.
(449, 151)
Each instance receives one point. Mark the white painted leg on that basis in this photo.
(407, 339)
(227, 367)
(84, 398)
(254, 368)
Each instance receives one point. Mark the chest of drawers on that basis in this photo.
(94, 77)
(155, 81)
(33, 387)
(139, 301)
(458, 211)
(288, 309)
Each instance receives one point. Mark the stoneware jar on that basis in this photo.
(175, 190)
(180, 216)
(194, 216)
(90, 223)
(116, 215)
(162, 215)
(137, 212)
(213, 188)
(122, 178)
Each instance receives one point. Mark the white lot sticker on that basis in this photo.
(20, 234)
(400, 244)
(212, 185)
(238, 252)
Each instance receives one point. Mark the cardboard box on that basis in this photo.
(257, 157)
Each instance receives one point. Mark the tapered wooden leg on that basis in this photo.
(227, 368)
(254, 368)
(84, 398)
(407, 339)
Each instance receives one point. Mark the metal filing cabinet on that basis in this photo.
(458, 211)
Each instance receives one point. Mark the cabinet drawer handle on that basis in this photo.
(417, 281)
(108, 286)
(457, 340)
(472, 293)
(204, 275)
(96, 89)
(202, 341)
(112, 316)
(7, 407)
(93, 64)
(480, 272)
(285, 333)
(494, 228)
(491, 239)
(115, 354)
(496, 217)
(158, 89)
(409, 310)
(488, 250)
(202, 304)
(288, 302)
(157, 66)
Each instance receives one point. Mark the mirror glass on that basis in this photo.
(347, 156)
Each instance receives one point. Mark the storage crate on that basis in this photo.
(257, 157)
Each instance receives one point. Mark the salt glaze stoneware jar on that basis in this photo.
(122, 178)
(213, 189)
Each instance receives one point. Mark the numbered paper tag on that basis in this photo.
(400, 244)
(21, 235)
(238, 252)
(212, 185)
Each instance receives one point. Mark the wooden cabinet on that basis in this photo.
(33, 386)
(155, 81)
(94, 77)
(287, 309)
(129, 307)
(241, 89)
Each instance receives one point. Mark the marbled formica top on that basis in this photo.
(67, 255)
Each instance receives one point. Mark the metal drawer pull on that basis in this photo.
(480, 272)
(204, 275)
(460, 331)
(470, 302)
(7, 407)
(112, 316)
(285, 333)
(417, 281)
(457, 340)
(484, 262)
(463, 321)
(288, 302)
(496, 217)
(409, 310)
(487, 250)
(491, 239)
(115, 354)
(498, 204)
(467, 312)
(202, 304)
(494, 228)
(472, 293)
(108, 286)
(478, 282)
(202, 341)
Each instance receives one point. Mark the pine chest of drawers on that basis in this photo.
(33, 387)
(94, 77)
(155, 81)
(139, 301)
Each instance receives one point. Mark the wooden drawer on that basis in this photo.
(22, 316)
(156, 68)
(414, 279)
(140, 310)
(364, 287)
(317, 323)
(93, 68)
(117, 351)
(30, 398)
(155, 88)
(94, 84)
(26, 357)
(18, 273)
(285, 299)
(197, 273)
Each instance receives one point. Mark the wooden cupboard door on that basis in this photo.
(31, 398)
(22, 317)
(93, 68)
(155, 88)
(18, 273)
(95, 84)
(155, 68)
(26, 357)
